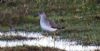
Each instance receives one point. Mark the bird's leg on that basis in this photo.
(46, 34)
(54, 38)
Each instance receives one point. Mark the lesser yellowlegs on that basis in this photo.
(46, 24)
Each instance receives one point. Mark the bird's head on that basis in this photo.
(42, 14)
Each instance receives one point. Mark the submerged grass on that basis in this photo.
(29, 48)
(13, 38)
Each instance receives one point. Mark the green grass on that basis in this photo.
(85, 30)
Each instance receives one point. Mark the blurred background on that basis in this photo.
(81, 18)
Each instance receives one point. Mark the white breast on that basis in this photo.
(44, 23)
(46, 27)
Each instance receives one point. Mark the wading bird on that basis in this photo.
(46, 24)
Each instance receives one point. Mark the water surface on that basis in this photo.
(41, 40)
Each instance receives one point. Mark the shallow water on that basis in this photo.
(42, 40)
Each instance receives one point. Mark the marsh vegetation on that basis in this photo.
(81, 18)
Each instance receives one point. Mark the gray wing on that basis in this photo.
(52, 24)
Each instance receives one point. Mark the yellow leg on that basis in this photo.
(54, 38)
(46, 34)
